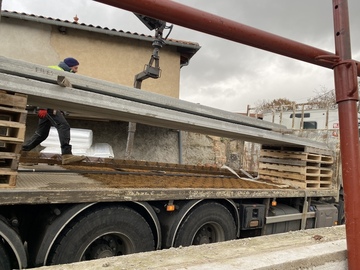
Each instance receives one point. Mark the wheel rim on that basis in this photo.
(108, 245)
(208, 233)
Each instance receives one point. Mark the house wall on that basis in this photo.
(111, 58)
(117, 59)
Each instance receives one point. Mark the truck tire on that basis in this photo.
(207, 223)
(341, 211)
(103, 232)
(4, 258)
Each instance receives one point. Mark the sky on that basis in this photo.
(225, 74)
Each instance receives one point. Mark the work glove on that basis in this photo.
(42, 113)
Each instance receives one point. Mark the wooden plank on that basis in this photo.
(320, 151)
(326, 185)
(283, 161)
(11, 124)
(308, 157)
(7, 178)
(288, 148)
(13, 100)
(283, 154)
(286, 175)
(9, 160)
(297, 184)
(283, 168)
(12, 130)
(279, 180)
(305, 170)
(10, 147)
(12, 110)
(13, 116)
(11, 139)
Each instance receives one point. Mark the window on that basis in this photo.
(310, 125)
(299, 115)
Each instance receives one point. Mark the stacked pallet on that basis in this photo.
(296, 168)
(12, 133)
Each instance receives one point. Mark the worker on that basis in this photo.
(55, 117)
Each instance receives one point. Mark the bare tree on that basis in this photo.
(274, 105)
(324, 98)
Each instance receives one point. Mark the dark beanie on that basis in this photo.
(71, 62)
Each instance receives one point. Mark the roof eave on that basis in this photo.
(187, 50)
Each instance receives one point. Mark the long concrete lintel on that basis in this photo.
(41, 73)
(114, 108)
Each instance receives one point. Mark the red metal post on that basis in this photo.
(346, 88)
(192, 18)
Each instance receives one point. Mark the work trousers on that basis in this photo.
(53, 118)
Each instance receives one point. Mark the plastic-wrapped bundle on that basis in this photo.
(80, 138)
(81, 141)
(102, 150)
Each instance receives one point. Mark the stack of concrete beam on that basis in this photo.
(12, 133)
(296, 168)
(96, 99)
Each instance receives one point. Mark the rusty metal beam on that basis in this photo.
(346, 88)
(195, 19)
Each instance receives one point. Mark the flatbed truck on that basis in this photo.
(55, 214)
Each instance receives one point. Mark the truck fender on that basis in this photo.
(185, 209)
(14, 241)
(151, 212)
(54, 230)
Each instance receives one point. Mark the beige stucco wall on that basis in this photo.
(117, 59)
(110, 58)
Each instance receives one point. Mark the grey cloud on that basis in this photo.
(225, 74)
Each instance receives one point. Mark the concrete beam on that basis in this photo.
(44, 74)
(85, 102)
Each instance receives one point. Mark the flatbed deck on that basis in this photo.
(99, 180)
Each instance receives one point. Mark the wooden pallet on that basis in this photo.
(13, 100)
(292, 155)
(12, 133)
(296, 168)
(7, 178)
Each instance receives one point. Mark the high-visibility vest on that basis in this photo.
(56, 67)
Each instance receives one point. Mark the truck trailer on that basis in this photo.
(56, 214)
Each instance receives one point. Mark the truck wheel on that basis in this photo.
(4, 257)
(103, 232)
(207, 223)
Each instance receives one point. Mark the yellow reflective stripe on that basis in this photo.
(56, 67)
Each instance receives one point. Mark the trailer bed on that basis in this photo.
(104, 180)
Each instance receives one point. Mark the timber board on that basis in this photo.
(7, 178)
(293, 155)
(13, 100)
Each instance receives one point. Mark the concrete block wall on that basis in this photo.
(161, 144)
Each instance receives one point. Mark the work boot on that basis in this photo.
(24, 154)
(69, 158)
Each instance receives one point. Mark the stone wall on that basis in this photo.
(164, 145)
